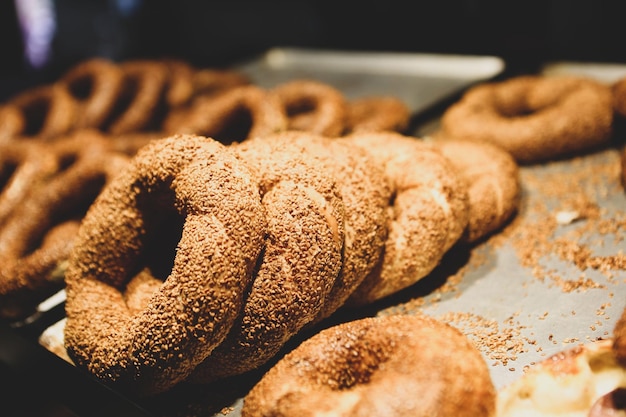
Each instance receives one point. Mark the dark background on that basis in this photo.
(218, 33)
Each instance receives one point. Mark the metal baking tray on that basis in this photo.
(607, 72)
(515, 318)
(420, 80)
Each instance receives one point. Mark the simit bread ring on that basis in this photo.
(301, 259)
(365, 193)
(195, 191)
(376, 113)
(36, 240)
(430, 212)
(313, 106)
(534, 117)
(492, 179)
(48, 111)
(235, 115)
(12, 122)
(379, 366)
(95, 85)
(180, 88)
(24, 166)
(137, 108)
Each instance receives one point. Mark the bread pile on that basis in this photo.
(218, 219)
(199, 222)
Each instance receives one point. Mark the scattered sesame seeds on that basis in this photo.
(499, 342)
(584, 255)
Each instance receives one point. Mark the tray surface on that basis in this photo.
(420, 80)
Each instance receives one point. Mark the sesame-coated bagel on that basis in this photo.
(365, 192)
(492, 179)
(179, 89)
(95, 85)
(196, 192)
(313, 106)
(48, 111)
(534, 118)
(430, 211)
(240, 113)
(36, 240)
(301, 259)
(378, 113)
(12, 122)
(24, 166)
(136, 108)
(396, 365)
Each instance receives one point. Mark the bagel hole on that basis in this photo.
(301, 107)
(520, 109)
(67, 160)
(391, 205)
(6, 173)
(165, 229)
(35, 114)
(302, 115)
(81, 87)
(235, 127)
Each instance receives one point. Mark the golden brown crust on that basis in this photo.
(24, 166)
(200, 185)
(534, 118)
(137, 106)
(374, 367)
(492, 179)
(429, 211)
(313, 106)
(36, 241)
(180, 88)
(301, 259)
(238, 114)
(47, 111)
(378, 113)
(365, 193)
(12, 122)
(95, 85)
